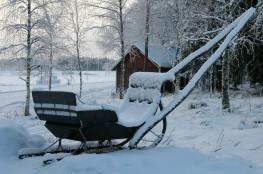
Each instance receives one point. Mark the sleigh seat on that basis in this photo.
(67, 120)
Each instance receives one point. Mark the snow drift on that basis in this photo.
(14, 137)
(153, 161)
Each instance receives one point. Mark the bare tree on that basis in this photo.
(76, 25)
(114, 13)
(23, 22)
(52, 18)
(79, 26)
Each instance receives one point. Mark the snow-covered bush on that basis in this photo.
(44, 80)
(196, 105)
(257, 90)
(14, 137)
(250, 122)
(247, 124)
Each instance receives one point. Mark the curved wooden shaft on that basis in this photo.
(152, 121)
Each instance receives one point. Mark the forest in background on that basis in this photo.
(60, 64)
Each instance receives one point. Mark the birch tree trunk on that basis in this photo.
(225, 81)
(211, 81)
(50, 32)
(79, 67)
(28, 58)
(122, 49)
(50, 66)
(147, 33)
(76, 24)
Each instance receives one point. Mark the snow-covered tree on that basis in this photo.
(23, 21)
(114, 14)
(52, 18)
(79, 25)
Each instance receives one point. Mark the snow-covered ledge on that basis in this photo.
(150, 79)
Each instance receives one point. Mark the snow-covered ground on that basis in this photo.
(10, 81)
(13, 91)
(200, 137)
(217, 133)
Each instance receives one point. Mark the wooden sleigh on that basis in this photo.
(105, 126)
(140, 121)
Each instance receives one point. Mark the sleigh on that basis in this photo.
(141, 119)
(105, 126)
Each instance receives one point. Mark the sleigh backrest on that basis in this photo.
(55, 106)
(142, 98)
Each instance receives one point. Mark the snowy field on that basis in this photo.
(201, 139)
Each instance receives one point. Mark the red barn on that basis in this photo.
(160, 59)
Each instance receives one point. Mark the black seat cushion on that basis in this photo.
(97, 117)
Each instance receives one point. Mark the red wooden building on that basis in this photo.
(160, 59)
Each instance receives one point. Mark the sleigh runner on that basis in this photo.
(140, 114)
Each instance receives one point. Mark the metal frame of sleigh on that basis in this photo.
(141, 115)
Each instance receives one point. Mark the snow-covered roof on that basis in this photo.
(159, 55)
(162, 56)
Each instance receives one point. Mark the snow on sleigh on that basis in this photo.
(65, 119)
(141, 116)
